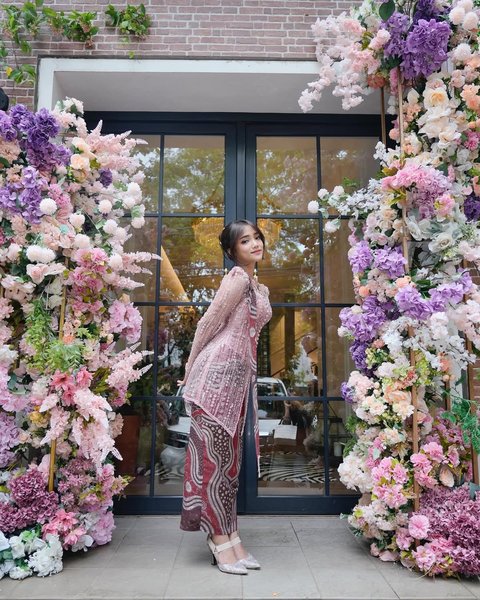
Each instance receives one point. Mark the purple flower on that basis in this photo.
(21, 117)
(397, 25)
(446, 293)
(105, 177)
(363, 322)
(360, 257)
(425, 48)
(391, 261)
(358, 352)
(8, 199)
(347, 393)
(7, 129)
(8, 438)
(411, 303)
(472, 208)
(426, 9)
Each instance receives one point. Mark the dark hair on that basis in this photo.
(232, 232)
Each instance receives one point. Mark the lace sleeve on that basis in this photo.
(228, 296)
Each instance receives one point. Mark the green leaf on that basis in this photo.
(386, 10)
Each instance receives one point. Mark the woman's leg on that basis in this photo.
(212, 468)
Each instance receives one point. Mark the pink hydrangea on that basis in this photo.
(418, 526)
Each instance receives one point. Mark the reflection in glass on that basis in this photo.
(338, 413)
(339, 362)
(149, 157)
(338, 273)
(175, 335)
(173, 428)
(347, 157)
(190, 271)
(134, 445)
(288, 465)
(144, 386)
(291, 364)
(286, 174)
(291, 269)
(144, 240)
(194, 174)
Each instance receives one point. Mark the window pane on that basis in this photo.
(291, 269)
(338, 363)
(347, 157)
(175, 335)
(192, 260)
(289, 353)
(338, 273)
(173, 428)
(291, 460)
(144, 240)
(286, 174)
(194, 173)
(338, 413)
(149, 157)
(134, 444)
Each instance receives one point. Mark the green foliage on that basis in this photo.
(386, 10)
(132, 21)
(39, 333)
(464, 413)
(63, 357)
(75, 26)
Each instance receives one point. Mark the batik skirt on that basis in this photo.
(212, 468)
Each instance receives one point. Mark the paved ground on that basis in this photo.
(302, 557)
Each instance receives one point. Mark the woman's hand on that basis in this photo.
(180, 382)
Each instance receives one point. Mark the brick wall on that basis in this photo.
(248, 29)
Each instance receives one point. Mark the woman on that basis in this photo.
(220, 376)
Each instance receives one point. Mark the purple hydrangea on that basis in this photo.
(425, 48)
(358, 352)
(426, 9)
(391, 261)
(347, 393)
(411, 303)
(21, 117)
(364, 323)
(397, 25)
(360, 257)
(7, 129)
(105, 177)
(472, 208)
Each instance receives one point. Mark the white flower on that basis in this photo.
(313, 206)
(16, 544)
(47, 560)
(110, 226)
(4, 545)
(81, 241)
(332, 225)
(76, 220)
(338, 190)
(48, 206)
(40, 254)
(467, 5)
(19, 572)
(456, 15)
(462, 52)
(441, 242)
(115, 262)
(7, 357)
(413, 96)
(322, 193)
(435, 97)
(128, 202)
(134, 190)
(138, 222)
(470, 21)
(105, 206)
(13, 252)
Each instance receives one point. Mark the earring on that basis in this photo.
(255, 274)
(225, 271)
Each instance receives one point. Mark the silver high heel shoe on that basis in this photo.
(237, 568)
(249, 562)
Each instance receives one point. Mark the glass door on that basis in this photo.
(302, 362)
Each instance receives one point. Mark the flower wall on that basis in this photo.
(68, 197)
(417, 316)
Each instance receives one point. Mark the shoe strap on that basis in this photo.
(223, 547)
(235, 541)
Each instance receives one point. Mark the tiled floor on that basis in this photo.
(302, 557)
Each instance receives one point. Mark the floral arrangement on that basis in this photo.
(68, 197)
(413, 232)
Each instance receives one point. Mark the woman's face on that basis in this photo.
(248, 247)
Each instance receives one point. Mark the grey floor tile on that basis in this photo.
(71, 583)
(143, 557)
(194, 577)
(121, 583)
(410, 585)
(351, 582)
(7, 586)
(282, 534)
(473, 586)
(284, 574)
(157, 536)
